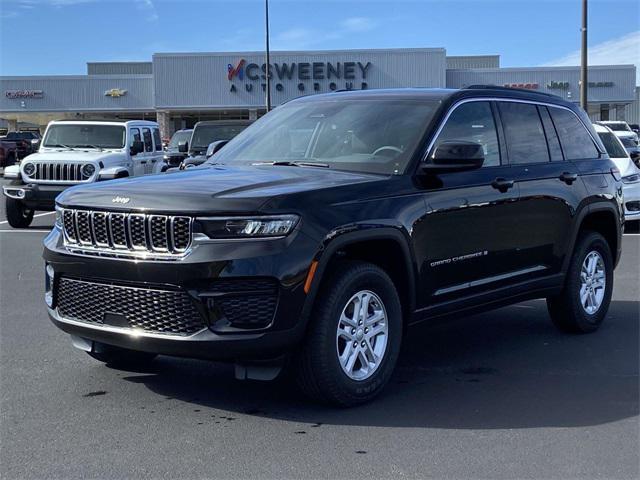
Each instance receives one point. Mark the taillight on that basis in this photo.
(616, 174)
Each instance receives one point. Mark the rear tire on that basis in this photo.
(583, 303)
(349, 354)
(117, 356)
(18, 215)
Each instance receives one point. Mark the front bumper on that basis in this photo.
(34, 196)
(631, 195)
(284, 261)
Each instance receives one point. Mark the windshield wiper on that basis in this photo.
(88, 145)
(59, 145)
(286, 163)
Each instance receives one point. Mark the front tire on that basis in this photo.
(18, 215)
(583, 303)
(120, 357)
(354, 337)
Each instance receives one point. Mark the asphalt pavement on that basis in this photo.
(496, 395)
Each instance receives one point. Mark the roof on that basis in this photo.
(224, 122)
(599, 128)
(107, 122)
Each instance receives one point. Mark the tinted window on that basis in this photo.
(156, 138)
(552, 136)
(180, 136)
(148, 144)
(135, 136)
(203, 135)
(523, 133)
(612, 145)
(574, 138)
(473, 122)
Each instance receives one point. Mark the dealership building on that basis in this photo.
(179, 89)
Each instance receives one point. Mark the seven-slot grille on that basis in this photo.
(58, 172)
(121, 232)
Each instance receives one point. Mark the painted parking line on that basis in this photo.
(38, 215)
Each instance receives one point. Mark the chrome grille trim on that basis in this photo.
(118, 235)
(60, 172)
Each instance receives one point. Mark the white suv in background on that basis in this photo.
(629, 171)
(621, 129)
(80, 152)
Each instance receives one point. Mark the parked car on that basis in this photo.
(632, 149)
(172, 156)
(628, 170)
(207, 132)
(335, 223)
(621, 130)
(27, 142)
(8, 152)
(635, 128)
(79, 152)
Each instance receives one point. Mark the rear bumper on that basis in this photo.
(36, 197)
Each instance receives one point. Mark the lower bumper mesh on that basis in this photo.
(148, 309)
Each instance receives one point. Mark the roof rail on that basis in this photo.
(507, 89)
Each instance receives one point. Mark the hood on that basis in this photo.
(105, 156)
(208, 189)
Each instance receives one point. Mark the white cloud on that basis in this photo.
(149, 8)
(621, 50)
(358, 24)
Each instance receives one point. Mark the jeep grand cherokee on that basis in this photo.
(334, 223)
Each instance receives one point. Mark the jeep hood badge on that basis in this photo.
(120, 199)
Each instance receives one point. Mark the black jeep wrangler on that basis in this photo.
(329, 227)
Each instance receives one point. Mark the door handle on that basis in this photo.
(502, 184)
(143, 162)
(568, 177)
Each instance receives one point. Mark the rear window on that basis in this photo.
(523, 132)
(574, 138)
(612, 145)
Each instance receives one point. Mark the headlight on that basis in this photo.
(635, 178)
(248, 227)
(88, 170)
(58, 222)
(29, 169)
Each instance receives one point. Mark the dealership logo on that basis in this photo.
(115, 92)
(23, 93)
(121, 200)
(324, 75)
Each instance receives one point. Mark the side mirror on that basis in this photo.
(183, 147)
(214, 147)
(455, 157)
(136, 147)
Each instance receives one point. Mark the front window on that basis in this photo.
(367, 135)
(612, 145)
(85, 136)
(203, 135)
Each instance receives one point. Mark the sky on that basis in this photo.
(59, 36)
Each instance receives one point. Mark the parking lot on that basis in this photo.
(495, 395)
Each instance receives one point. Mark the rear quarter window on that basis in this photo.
(526, 142)
(576, 142)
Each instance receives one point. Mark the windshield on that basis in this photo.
(203, 135)
(85, 136)
(179, 137)
(372, 135)
(21, 135)
(628, 141)
(618, 127)
(612, 145)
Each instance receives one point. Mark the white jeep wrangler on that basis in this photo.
(78, 152)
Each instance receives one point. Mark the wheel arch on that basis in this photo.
(366, 245)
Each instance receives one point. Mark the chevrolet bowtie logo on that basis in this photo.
(115, 92)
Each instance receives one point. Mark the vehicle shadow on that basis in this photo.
(505, 369)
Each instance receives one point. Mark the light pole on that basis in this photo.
(584, 85)
(267, 69)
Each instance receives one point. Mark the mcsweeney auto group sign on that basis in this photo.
(23, 93)
(325, 75)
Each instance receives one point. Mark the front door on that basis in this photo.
(138, 159)
(466, 240)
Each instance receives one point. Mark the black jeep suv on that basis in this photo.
(326, 229)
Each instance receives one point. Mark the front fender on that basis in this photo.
(109, 173)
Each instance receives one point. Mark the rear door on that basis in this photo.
(149, 152)
(158, 153)
(550, 188)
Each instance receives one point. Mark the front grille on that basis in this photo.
(58, 172)
(148, 309)
(102, 232)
